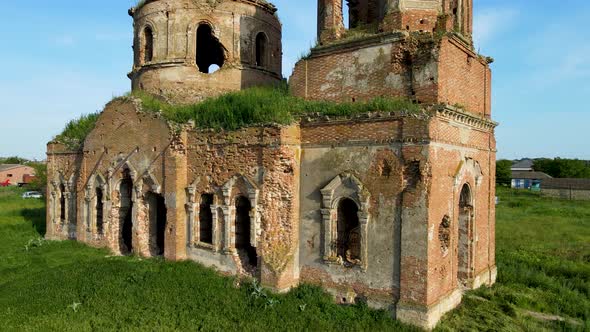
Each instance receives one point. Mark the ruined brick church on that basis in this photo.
(395, 209)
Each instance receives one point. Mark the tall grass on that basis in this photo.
(231, 111)
(76, 130)
(261, 106)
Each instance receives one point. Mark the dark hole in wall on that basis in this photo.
(157, 215)
(412, 175)
(62, 203)
(125, 214)
(348, 242)
(444, 234)
(209, 50)
(148, 46)
(206, 219)
(243, 224)
(99, 213)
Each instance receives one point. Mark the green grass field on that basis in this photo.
(543, 255)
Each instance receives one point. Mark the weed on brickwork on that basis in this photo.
(76, 130)
(262, 106)
(232, 111)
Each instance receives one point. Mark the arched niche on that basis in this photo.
(345, 188)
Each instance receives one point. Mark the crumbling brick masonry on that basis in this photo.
(395, 209)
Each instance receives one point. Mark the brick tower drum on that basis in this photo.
(187, 50)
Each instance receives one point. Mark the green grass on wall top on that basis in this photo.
(235, 110)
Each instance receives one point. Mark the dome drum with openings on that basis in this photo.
(187, 50)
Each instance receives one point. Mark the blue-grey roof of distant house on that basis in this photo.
(530, 175)
(562, 183)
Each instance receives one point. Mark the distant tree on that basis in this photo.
(13, 160)
(503, 173)
(563, 168)
(40, 181)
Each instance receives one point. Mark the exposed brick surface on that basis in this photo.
(404, 175)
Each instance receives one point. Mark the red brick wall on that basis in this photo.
(410, 20)
(347, 131)
(450, 171)
(464, 78)
(423, 70)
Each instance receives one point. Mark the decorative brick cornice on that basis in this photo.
(457, 115)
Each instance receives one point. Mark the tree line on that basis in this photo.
(557, 168)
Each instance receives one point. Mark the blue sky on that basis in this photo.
(64, 58)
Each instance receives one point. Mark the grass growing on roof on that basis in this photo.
(75, 132)
(234, 110)
(259, 106)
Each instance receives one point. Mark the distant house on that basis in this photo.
(528, 179)
(574, 189)
(16, 175)
(525, 165)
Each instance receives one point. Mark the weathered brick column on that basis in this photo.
(175, 170)
(330, 22)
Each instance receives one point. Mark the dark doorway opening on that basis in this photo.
(62, 203)
(99, 212)
(157, 215)
(261, 49)
(465, 242)
(243, 226)
(348, 242)
(125, 213)
(209, 50)
(206, 219)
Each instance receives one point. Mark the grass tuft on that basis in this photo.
(75, 132)
(263, 106)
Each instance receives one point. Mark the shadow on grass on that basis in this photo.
(36, 216)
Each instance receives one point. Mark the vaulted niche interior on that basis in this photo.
(348, 229)
(157, 217)
(99, 214)
(62, 203)
(243, 226)
(148, 45)
(125, 212)
(261, 49)
(465, 250)
(210, 52)
(206, 219)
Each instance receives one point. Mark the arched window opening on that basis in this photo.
(465, 242)
(348, 229)
(148, 45)
(157, 219)
(261, 49)
(206, 219)
(125, 212)
(62, 203)
(209, 49)
(99, 211)
(243, 226)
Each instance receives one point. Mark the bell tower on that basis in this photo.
(188, 50)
